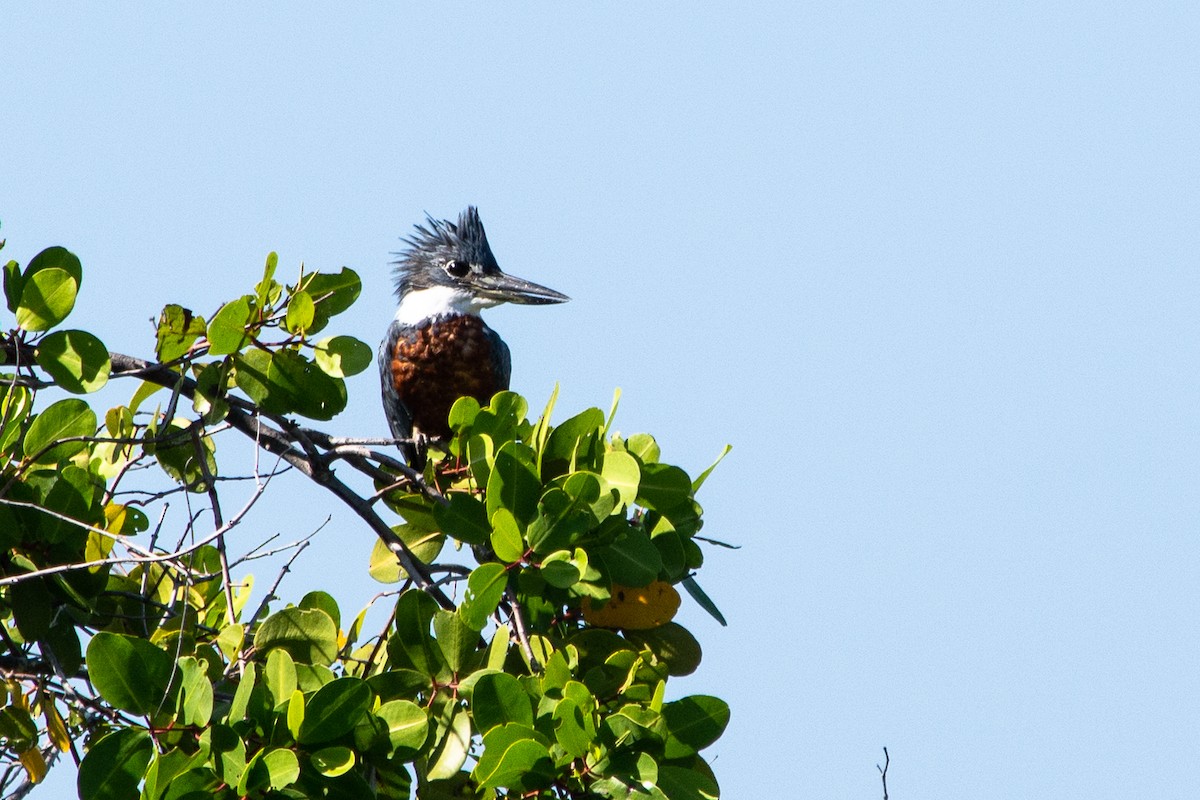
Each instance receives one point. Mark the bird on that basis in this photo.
(437, 348)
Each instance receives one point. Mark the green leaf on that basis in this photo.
(644, 447)
(465, 518)
(325, 602)
(463, 412)
(77, 360)
(178, 330)
(280, 676)
(407, 724)
(497, 698)
(696, 484)
(632, 560)
(295, 713)
(334, 710)
(452, 742)
(559, 570)
(17, 728)
(115, 765)
(13, 282)
(57, 258)
(300, 312)
(308, 635)
(179, 458)
(283, 768)
(573, 440)
(485, 587)
(398, 683)
(342, 356)
(130, 673)
(331, 294)
(197, 692)
(703, 599)
(414, 612)
(671, 643)
(693, 723)
(15, 406)
(333, 761)
(227, 331)
(514, 483)
(541, 429)
(562, 517)
(506, 537)
(455, 639)
(514, 757)
(241, 696)
(32, 608)
(622, 472)
(663, 487)
(65, 419)
(267, 290)
(681, 783)
(286, 382)
(481, 454)
(573, 730)
(424, 545)
(46, 299)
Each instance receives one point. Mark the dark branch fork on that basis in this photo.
(309, 451)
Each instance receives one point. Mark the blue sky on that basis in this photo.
(930, 268)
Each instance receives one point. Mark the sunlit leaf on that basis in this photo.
(77, 360)
(227, 331)
(343, 356)
(178, 330)
(309, 635)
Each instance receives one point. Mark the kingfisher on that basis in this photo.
(437, 348)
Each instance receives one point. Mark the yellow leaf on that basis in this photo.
(634, 608)
(55, 727)
(34, 764)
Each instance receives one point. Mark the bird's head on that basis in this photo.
(448, 268)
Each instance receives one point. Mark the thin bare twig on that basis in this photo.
(887, 760)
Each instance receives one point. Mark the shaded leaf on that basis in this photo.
(465, 518)
(497, 698)
(703, 599)
(115, 765)
(129, 672)
(693, 723)
(514, 757)
(65, 419)
(514, 483)
(334, 710)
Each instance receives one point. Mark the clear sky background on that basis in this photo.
(931, 268)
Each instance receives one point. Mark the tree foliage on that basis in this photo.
(530, 637)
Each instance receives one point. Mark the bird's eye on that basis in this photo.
(457, 268)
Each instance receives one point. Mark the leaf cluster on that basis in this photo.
(529, 647)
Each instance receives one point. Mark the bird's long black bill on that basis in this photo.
(510, 289)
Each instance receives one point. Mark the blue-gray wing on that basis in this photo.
(501, 360)
(399, 418)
